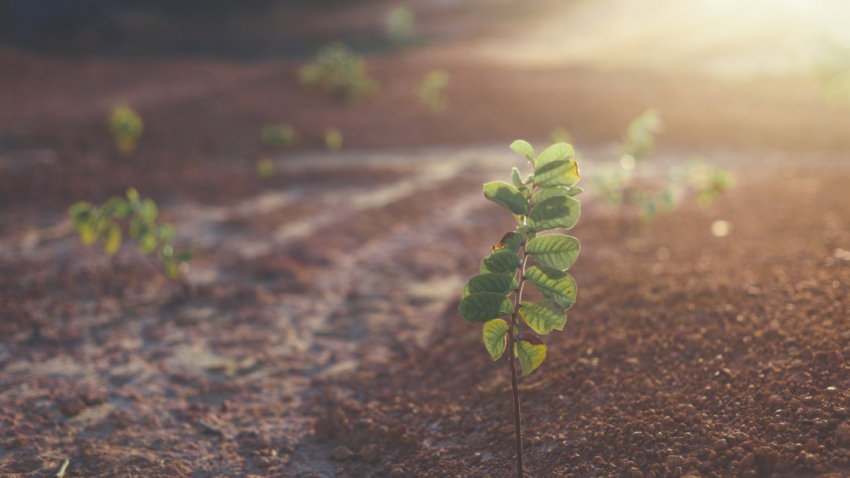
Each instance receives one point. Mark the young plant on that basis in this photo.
(138, 217)
(542, 202)
(333, 140)
(339, 71)
(431, 92)
(400, 26)
(126, 127)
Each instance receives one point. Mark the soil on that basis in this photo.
(322, 339)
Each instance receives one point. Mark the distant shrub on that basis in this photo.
(338, 71)
(833, 73)
(431, 92)
(278, 135)
(400, 24)
(106, 223)
(623, 186)
(265, 167)
(126, 127)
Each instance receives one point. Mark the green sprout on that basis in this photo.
(400, 26)
(139, 218)
(338, 71)
(278, 135)
(126, 127)
(431, 91)
(541, 202)
(333, 139)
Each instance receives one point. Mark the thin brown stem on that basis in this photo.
(511, 341)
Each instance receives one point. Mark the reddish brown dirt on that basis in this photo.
(325, 307)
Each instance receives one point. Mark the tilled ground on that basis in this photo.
(322, 338)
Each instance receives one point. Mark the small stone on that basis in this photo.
(397, 473)
(720, 445)
(71, 406)
(635, 473)
(775, 401)
(674, 461)
(341, 453)
(812, 445)
(369, 451)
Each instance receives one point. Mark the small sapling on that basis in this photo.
(431, 92)
(340, 72)
(541, 202)
(126, 127)
(333, 140)
(138, 217)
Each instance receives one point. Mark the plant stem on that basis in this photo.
(512, 361)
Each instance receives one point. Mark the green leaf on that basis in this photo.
(138, 228)
(506, 196)
(522, 147)
(556, 152)
(530, 355)
(554, 191)
(117, 207)
(112, 239)
(81, 213)
(500, 262)
(149, 211)
(563, 172)
(553, 213)
(544, 316)
(494, 337)
(485, 306)
(172, 270)
(165, 231)
(133, 195)
(511, 241)
(555, 250)
(147, 243)
(88, 234)
(553, 284)
(515, 177)
(490, 282)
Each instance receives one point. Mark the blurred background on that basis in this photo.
(299, 203)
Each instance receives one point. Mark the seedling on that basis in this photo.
(126, 127)
(107, 223)
(333, 140)
(339, 71)
(278, 135)
(543, 201)
(400, 26)
(431, 92)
